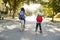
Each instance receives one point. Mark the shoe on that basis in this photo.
(35, 30)
(40, 31)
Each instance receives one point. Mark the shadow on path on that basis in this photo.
(51, 31)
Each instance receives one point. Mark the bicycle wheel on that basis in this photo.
(22, 25)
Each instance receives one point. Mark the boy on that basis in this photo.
(38, 24)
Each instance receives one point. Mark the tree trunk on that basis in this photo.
(6, 9)
(53, 17)
(13, 14)
(10, 10)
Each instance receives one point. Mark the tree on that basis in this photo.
(5, 2)
(55, 5)
(14, 5)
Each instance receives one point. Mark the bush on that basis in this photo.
(57, 15)
(49, 15)
(3, 12)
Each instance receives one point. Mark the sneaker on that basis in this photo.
(35, 30)
(40, 31)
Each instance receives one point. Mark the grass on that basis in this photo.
(57, 19)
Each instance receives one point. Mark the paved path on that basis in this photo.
(9, 31)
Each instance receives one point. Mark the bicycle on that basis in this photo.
(22, 26)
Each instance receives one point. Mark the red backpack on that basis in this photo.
(39, 19)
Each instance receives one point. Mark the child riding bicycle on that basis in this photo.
(22, 16)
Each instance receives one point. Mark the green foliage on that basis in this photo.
(15, 4)
(49, 15)
(3, 12)
(43, 3)
(35, 1)
(55, 4)
(46, 11)
(5, 1)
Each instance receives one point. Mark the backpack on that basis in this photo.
(39, 19)
(21, 15)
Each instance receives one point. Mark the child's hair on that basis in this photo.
(22, 9)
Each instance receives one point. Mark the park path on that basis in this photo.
(10, 31)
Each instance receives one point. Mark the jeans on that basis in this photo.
(38, 25)
(24, 22)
